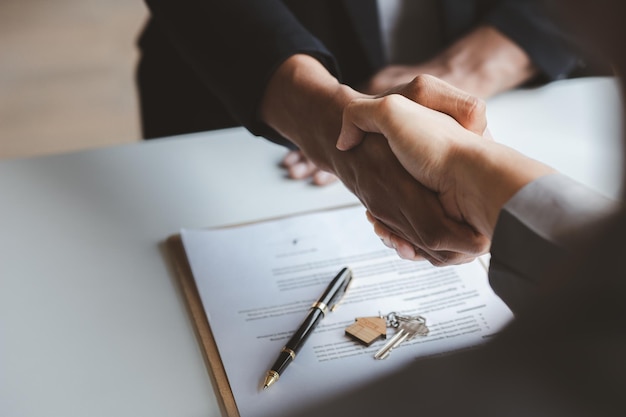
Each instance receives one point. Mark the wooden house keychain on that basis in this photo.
(369, 329)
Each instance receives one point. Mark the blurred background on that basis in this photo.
(67, 75)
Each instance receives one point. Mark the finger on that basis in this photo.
(384, 234)
(447, 243)
(301, 170)
(450, 258)
(431, 92)
(322, 178)
(358, 118)
(375, 115)
(404, 249)
(291, 158)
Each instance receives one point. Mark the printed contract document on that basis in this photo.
(257, 282)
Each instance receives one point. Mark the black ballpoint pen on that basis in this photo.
(334, 292)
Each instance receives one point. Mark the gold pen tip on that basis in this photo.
(272, 376)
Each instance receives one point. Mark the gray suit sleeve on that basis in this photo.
(535, 231)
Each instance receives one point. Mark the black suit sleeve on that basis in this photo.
(234, 46)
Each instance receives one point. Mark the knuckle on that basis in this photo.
(385, 102)
(423, 80)
(389, 100)
(388, 103)
(476, 112)
(420, 87)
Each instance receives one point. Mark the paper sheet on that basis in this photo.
(258, 281)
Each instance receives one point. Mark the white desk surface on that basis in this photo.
(91, 319)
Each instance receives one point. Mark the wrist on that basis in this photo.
(304, 103)
(492, 174)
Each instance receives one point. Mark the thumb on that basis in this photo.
(359, 118)
(436, 94)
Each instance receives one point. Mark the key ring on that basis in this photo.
(393, 320)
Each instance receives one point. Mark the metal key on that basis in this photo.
(408, 328)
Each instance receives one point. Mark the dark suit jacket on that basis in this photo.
(205, 63)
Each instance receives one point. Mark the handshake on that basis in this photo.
(439, 135)
(419, 158)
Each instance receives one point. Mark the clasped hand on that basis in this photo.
(439, 138)
(443, 119)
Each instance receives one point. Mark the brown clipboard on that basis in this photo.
(211, 355)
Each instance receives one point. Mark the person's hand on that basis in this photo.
(472, 177)
(305, 104)
(482, 63)
(299, 167)
(469, 112)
